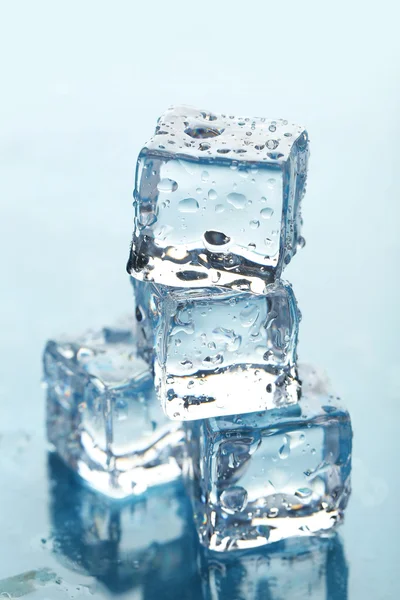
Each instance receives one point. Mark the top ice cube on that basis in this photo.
(217, 200)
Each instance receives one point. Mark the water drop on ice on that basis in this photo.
(266, 213)
(254, 224)
(167, 185)
(234, 499)
(216, 238)
(237, 200)
(188, 205)
(284, 450)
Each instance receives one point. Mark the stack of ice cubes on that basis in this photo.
(206, 380)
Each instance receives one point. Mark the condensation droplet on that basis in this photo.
(219, 208)
(237, 200)
(249, 315)
(204, 176)
(212, 195)
(254, 224)
(188, 205)
(187, 364)
(272, 144)
(266, 213)
(234, 499)
(167, 185)
(284, 450)
(301, 242)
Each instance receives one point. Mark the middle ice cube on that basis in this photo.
(218, 352)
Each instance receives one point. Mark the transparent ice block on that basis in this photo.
(144, 545)
(296, 569)
(222, 352)
(263, 477)
(217, 200)
(103, 416)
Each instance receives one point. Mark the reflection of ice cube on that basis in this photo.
(300, 568)
(264, 477)
(147, 543)
(220, 352)
(103, 416)
(217, 200)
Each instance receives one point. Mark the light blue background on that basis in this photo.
(82, 83)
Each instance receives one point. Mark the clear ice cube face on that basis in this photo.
(299, 568)
(221, 352)
(103, 416)
(146, 544)
(264, 477)
(217, 200)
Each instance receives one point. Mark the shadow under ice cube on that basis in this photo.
(263, 477)
(220, 352)
(217, 200)
(103, 416)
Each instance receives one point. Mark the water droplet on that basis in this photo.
(267, 242)
(303, 492)
(219, 208)
(273, 512)
(269, 388)
(329, 409)
(178, 342)
(188, 205)
(249, 315)
(187, 364)
(147, 218)
(167, 185)
(223, 150)
(271, 182)
(237, 200)
(201, 131)
(216, 238)
(266, 213)
(204, 176)
(204, 146)
(234, 499)
(284, 451)
(288, 134)
(272, 127)
(272, 144)
(228, 337)
(218, 359)
(254, 224)
(301, 242)
(212, 194)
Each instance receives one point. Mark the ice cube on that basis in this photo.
(217, 200)
(146, 544)
(299, 568)
(222, 352)
(103, 416)
(264, 477)
(146, 318)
